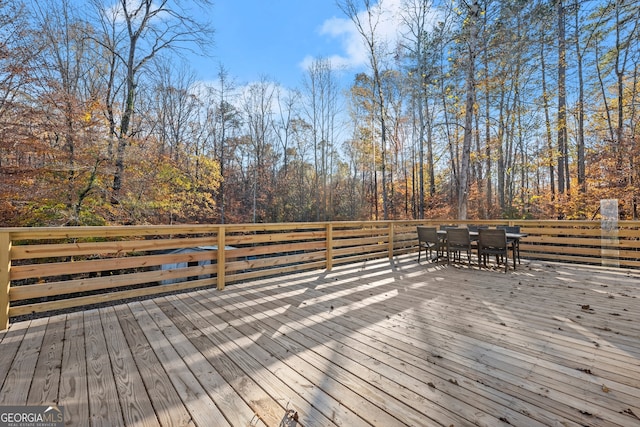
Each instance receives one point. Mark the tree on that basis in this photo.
(421, 44)
(366, 25)
(321, 109)
(136, 33)
(563, 150)
(223, 122)
(470, 37)
(258, 109)
(20, 154)
(63, 82)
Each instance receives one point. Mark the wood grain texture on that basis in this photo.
(74, 394)
(202, 409)
(46, 378)
(134, 400)
(17, 382)
(104, 405)
(167, 405)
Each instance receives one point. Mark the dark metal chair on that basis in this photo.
(458, 240)
(493, 242)
(429, 240)
(514, 243)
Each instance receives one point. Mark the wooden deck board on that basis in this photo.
(167, 405)
(46, 378)
(104, 406)
(18, 380)
(373, 343)
(270, 395)
(201, 408)
(73, 393)
(134, 401)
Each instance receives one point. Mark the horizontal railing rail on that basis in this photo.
(48, 269)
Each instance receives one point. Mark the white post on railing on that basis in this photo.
(609, 252)
(391, 240)
(221, 258)
(5, 284)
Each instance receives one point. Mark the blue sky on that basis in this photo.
(276, 38)
(268, 37)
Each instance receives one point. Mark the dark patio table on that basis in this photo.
(514, 238)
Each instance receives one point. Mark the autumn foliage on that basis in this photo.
(88, 137)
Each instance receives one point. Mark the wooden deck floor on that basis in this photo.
(366, 344)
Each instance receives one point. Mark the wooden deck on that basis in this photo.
(366, 344)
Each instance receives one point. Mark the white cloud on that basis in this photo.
(355, 53)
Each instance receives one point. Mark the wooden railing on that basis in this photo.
(46, 269)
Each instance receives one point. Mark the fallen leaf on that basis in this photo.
(605, 388)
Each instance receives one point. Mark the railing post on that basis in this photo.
(221, 257)
(5, 284)
(329, 232)
(391, 239)
(609, 242)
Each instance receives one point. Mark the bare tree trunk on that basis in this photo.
(487, 138)
(563, 172)
(549, 158)
(463, 188)
(582, 181)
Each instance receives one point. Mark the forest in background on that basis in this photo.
(480, 109)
